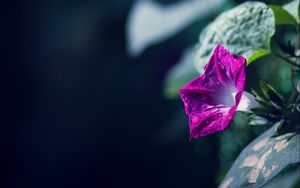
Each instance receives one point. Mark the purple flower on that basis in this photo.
(211, 99)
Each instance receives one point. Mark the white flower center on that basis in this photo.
(247, 102)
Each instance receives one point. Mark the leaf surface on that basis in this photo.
(263, 158)
(244, 30)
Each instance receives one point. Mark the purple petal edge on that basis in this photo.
(211, 99)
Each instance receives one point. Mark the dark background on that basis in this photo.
(81, 113)
(84, 114)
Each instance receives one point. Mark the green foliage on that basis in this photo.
(257, 54)
(293, 9)
(272, 106)
(258, 121)
(244, 30)
(299, 11)
(234, 139)
(151, 22)
(288, 178)
(180, 74)
(272, 95)
(264, 158)
(282, 16)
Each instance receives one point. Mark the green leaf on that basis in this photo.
(282, 16)
(272, 95)
(244, 30)
(263, 158)
(257, 54)
(270, 114)
(150, 22)
(293, 9)
(257, 120)
(180, 74)
(298, 10)
(287, 178)
(261, 99)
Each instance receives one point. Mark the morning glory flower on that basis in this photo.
(212, 99)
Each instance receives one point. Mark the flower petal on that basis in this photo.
(210, 122)
(211, 99)
(233, 65)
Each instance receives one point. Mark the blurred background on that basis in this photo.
(89, 114)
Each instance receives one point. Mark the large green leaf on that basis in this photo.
(180, 74)
(150, 22)
(244, 30)
(293, 8)
(289, 178)
(282, 16)
(263, 158)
